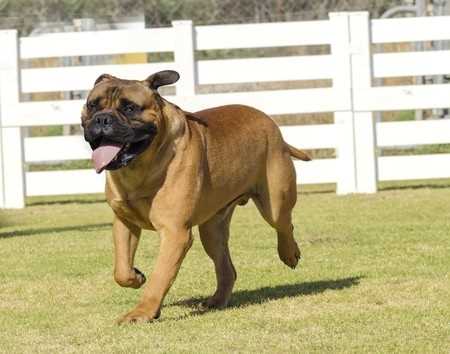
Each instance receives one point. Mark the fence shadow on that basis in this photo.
(38, 231)
(416, 186)
(245, 298)
(66, 201)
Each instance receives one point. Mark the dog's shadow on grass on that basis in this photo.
(245, 298)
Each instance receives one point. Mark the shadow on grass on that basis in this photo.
(32, 232)
(416, 186)
(65, 201)
(312, 192)
(244, 298)
(316, 189)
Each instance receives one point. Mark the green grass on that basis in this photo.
(374, 278)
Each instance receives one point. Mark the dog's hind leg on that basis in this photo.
(276, 195)
(214, 235)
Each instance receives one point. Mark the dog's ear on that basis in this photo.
(161, 78)
(103, 77)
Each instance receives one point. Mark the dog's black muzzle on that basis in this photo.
(105, 129)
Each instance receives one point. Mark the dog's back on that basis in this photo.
(231, 122)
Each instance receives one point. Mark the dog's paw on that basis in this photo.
(140, 278)
(214, 303)
(290, 255)
(137, 316)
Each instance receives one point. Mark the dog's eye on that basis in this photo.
(130, 108)
(92, 105)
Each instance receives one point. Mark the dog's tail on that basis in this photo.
(298, 154)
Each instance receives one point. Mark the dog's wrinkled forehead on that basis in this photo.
(110, 93)
(143, 93)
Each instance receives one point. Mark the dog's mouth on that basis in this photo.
(111, 155)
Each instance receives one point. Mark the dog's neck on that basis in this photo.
(143, 177)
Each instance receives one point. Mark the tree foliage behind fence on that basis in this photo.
(25, 15)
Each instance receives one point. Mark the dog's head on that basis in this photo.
(121, 118)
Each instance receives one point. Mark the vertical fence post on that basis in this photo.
(342, 80)
(185, 57)
(362, 74)
(11, 137)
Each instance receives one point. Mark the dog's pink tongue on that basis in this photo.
(103, 155)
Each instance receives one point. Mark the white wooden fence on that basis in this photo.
(351, 66)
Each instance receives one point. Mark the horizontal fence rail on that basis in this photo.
(397, 168)
(411, 29)
(314, 67)
(271, 102)
(256, 36)
(347, 72)
(82, 77)
(391, 134)
(64, 182)
(398, 98)
(411, 63)
(42, 149)
(97, 43)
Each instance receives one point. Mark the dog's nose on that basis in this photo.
(103, 120)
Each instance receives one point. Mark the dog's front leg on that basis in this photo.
(174, 246)
(126, 239)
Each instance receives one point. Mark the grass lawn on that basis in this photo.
(374, 278)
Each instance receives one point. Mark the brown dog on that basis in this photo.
(169, 170)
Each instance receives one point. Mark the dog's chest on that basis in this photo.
(135, 211)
